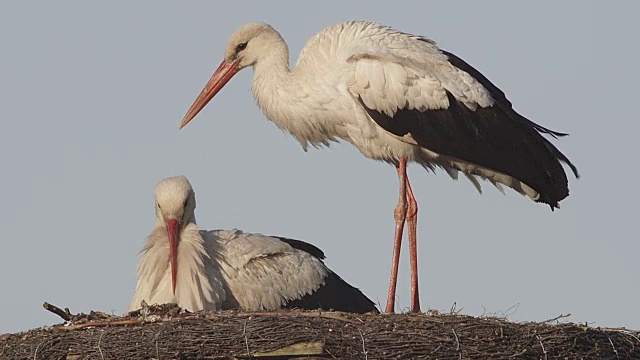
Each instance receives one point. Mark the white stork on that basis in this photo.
(397, 97)
(230, 269)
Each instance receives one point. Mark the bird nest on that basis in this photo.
(165, 332)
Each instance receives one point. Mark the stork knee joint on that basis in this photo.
(412, 211)
(400, 213)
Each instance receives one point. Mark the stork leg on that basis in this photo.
(412, 223)
(400, 214)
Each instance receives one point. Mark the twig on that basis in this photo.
(246, 339)
(457, 340)
(457, 344)
(626, 332)
(99, 341)
(331, 315)
(509, 311)
(156, 340)
(35, 354)
(561, 316)
(329, 352)
(542, 345)
(364, 350)
(102, 323)
(524, 351)
(66, 316)
(614, 348)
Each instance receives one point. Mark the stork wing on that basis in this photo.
(413, 75)
(434, 99)
(264, 272)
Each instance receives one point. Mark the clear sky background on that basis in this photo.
(92, 95)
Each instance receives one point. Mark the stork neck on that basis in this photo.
(271, 77)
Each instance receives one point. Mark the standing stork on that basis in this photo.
(397, 97)
(229, 269)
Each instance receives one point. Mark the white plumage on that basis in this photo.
(229, 269)
(396, 97)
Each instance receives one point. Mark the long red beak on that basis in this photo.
(218, 80)
(173, 230)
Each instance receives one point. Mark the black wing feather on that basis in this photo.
(304, 246)
(337, 295)
(495, 137)
(497, 94)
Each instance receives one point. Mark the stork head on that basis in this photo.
(250, 43)
(246, 46)
(175, 206)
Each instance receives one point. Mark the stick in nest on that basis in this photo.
(103, 324)
(329, 315)
(561, 316)
(364, 350)
(542, 346)
(246, 340)
(65, 315)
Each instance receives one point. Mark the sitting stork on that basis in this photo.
(229, 269)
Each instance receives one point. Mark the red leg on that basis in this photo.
(412, 222)
(400, 215)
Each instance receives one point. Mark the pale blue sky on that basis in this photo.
(92, 95)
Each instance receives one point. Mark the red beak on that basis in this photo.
(173, 230)
(223, 74)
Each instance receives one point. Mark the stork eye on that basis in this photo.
(159, 206)
(241, 47)
(185, 202)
